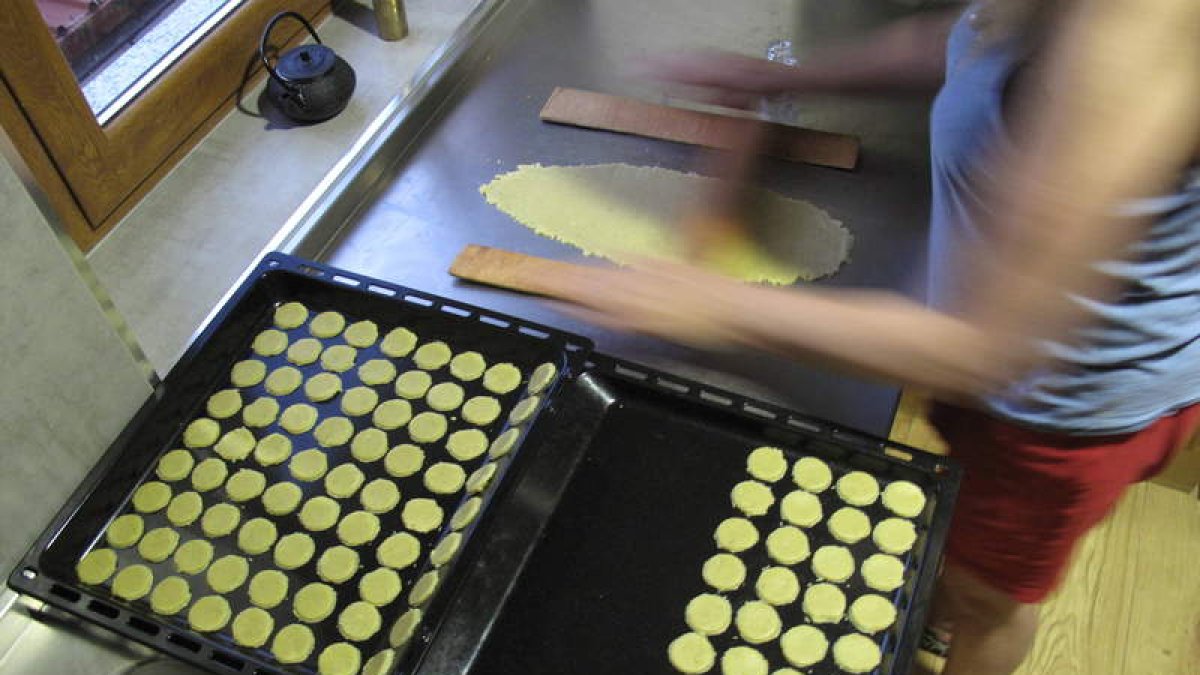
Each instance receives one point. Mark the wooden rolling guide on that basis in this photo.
(517, 271)
(624, 115)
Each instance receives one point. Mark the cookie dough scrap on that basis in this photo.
(752, 498)
(777, 586)
(421, 515)
(304, 351)
(432, 355)
(314, 602)
(294, 550)
(170, 596)
(185, 508)
(326, 325)
(724, 572)
(883, 572)
(125, 531)
(247, 373)
(268, 588)
(398, 343)
(803, 646)
(337, 564)
(812, 474)
(742, 660)
(833, 563)
(468, 366)
(856, 653)
(227, 573)
(858, 488)
(362, 334)
(175, 465)
(801, 508)
(895, 536)
(359, 621)
(209, 474)
(872, 613)
(444, 478)
(767, 464)
(97, 566)
(133, 582)
(252, 627)
(904, 499)
(158, 544)
(824, 603)
(502, 378)
(708, 614)
(849, 525)
(404, 460)
(193, 557)
(691, 653)
(293, 644)
(413, 384)
(787, 545)
(290, 315)
(736, 535)
(209, 614)
(282, 498)
(758, 622)
(398, 551)
(339, 659)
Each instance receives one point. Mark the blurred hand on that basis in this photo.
(733, 80)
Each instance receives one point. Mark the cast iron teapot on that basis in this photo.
(309, 83)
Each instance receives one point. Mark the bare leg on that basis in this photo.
(992, 632)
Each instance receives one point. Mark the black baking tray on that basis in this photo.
(631, 475)
(47, 570)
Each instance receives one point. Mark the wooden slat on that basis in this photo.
(624, 115)
(516, 271)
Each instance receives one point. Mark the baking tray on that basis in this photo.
(47, 570)
(653, 458)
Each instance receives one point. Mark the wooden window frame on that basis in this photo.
(94, 174)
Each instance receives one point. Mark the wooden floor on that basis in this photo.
(1131, 602)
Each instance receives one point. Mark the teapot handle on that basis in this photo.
(262, 43)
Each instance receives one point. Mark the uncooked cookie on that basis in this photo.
(767, 464)
(314, 602)
(380, 586)
(708, 614)
(327, 324)
(274, 448)
(339, 659)
(421, 515)
(413, 384)
(270, 342)
(856, 653)
(298, 418)
(803, 646)
(691, 653)
(883, 572)
(424, 588)
(201, 433)
(379, 496)
(427, 427)
(97, 566)
(193, 557)
(465, 445)
(468, 366)
(358, 528)
(224, 404)
(405, 627)
(209, 474)
(247, 373)
(343, 481)
(262, 412)
(208, 614)
(125, 530)
(158, 544)
(480, 478)
(736, 535)
(404, 460)
(395, 413)
(465, 514)
(252, 627)
(858, 488)
(777, 586)
(257, 536)
(322, 387)
(872, 613)
(398, 551)
(824, 603)
(801, 508)
(444, 396)
(282, 498)
(787, 545)
(380, 664)
(757, 622)
(481, 410)
(308, 465)
(319, 514)
(337, 564)
(724, 572)
(268, 588)
(369, 445)
(359, 401)
(227, 573)
(541, 378)
(236, 444)
(283, 381)
(444, 478)
(812, 474)
(833, 563)
(175, 465)
(849, 525)
(359, 621)
(293, 643)
(170, 596)
(362, 334)
(185, 508)
(219, 520)
(445, 549)
(502, 378)
(333, 431)
(245, 484)
(895, 536)
(432, 355)
(132, 583)
(742, 660)
(376, 372)
(293, 550)
(752, 497)
(504, 443)
(304, 351)
(398, 343)
(524, 410)
(290, 315)
(904, 499)
(151, 496)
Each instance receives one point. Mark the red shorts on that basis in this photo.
(1027, 496)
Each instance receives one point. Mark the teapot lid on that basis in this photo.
(305, 63)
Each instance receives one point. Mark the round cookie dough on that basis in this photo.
(480, 478)
(282, 498)
(787, 545)
(293, 550)
(858, 488)
(376, 372)
(245, 484)
(380, 664)
(708, 614)
(236, 444)
(339, 659)
(724, 572)
(151, 496)
(185, 508)
(270, 342)
(849, 525)
(327, 324)
(334, 431)
(369, 445)
(398, 551)
(379, 496)
(427, 427)
(856, 653)
(421, 515)
(262, 412)
(126, 530)
(257, 536)
(405, 627)
(736, 535)
(399, 342)
(97, 566)
(175, 465)
(224, 404)
(343, 481)
(502, 378)
(465, 445)
(883, 572)
(209, 474)
(293, 643)
(337, 564)
(752, 498)
(247, 373)
(904, 499)
(308, 465)
(445, 549)
(691, 653)
(404, 460)
(895, 536)
(444, 478)
(304, 351)
(468, 366)
(170, 596)
(504, 443)
(872, 613)
(801, 508)
(322, 387)
(413, 384)
(541, 378)
(767, 464)
(208, 614)
(803, 646)
(283, 381)
(812, 474)
(824, 603)
(359, 401)
(193, 557)
(362, 334)
(395, 413)
(133, 582)
(252, 627)
(424, 588)
(444, 396)
(524, 410)
(465, 515)
(380, 586)
(777, 586)
(290, 315)
(358, 528)
(268, 588)
(359, 621)
(833, 563)
(742, 660)
(319, 514)
(481, 410)
(432, 355)
(227, 573)
(219, 520)
(273, 449)
(158, 544)
(314, 603)
(201, 433)
(298, 418)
